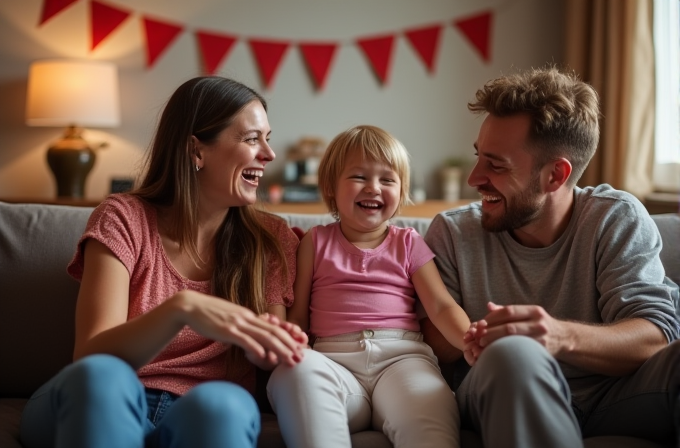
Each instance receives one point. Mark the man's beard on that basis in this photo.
(519, 211)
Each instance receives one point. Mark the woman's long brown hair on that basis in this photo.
(203, 107)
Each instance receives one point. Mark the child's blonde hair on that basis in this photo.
(373, 144)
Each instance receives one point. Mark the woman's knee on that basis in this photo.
(215, 413)
(222, 400)
(100, 374)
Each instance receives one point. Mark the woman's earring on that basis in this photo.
(198, 168)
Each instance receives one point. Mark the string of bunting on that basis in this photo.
(215, 46)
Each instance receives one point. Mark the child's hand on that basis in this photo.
(471, 348)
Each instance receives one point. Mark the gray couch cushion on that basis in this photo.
(669, 227)
(37, 300)
(37, 296)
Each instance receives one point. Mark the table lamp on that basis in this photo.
(72, 94)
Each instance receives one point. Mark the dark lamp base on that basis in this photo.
(71, 160)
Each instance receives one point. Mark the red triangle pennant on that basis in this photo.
(477, 29)
(378, 50)
(318, 58)
(268, 55)
(426, 42)
(159, 35)
(105, 19)
(50, 8)
(214, 48)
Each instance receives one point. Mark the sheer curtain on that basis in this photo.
(609, 43)
(667, 56)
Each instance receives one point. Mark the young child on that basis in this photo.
(355, 290)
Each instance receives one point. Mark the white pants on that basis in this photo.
(387, 380)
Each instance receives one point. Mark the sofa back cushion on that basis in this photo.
(669, 227)
(37, 296)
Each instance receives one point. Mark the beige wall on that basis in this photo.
(426, 112)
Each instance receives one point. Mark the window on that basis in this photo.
(667, 68)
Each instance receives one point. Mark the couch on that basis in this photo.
(37, 300)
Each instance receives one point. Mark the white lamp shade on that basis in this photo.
(80, 93)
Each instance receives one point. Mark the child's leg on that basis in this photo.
(317, 403)
(412, 403)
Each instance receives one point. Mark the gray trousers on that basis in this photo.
(517, 396)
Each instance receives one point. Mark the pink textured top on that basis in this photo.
(356, 289)
(127, 226)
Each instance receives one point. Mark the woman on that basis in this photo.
(183, 283)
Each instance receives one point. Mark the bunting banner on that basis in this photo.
(426, 42)
(159, 35)
(477, 29)
(378, 50)
(318, 58)
(51, 8)
(104, 20)
(214, 49)
(268, 54)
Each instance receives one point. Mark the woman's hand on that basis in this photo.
(267, 340)
(293, 329)
(270, 360)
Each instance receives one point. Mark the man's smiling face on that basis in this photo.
(505, 174)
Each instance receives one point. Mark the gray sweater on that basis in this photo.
(604, 268)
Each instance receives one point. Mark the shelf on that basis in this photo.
(662, 203)
(53, 201)
(427, 209)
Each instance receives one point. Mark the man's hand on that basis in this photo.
(524, 320)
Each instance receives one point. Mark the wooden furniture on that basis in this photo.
(53, 201)
(662, 203)
(427, 209)
(655, 203)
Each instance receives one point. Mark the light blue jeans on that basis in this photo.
(99, 402)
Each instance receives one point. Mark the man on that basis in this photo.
(573, 318)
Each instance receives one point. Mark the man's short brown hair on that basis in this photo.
(564, 113)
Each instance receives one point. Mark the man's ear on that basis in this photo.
(560, 171)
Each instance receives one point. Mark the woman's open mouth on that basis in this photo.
(252, 176)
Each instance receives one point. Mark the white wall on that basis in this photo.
(426, 112)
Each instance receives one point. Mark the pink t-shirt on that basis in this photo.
(356, 289)
(127, 226)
